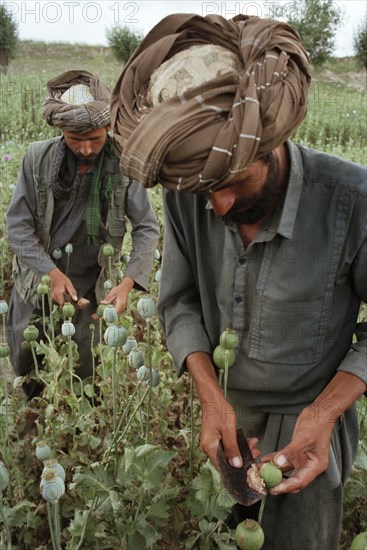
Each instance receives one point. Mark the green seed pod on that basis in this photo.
(4, 351)
(129, 345)
(52, 486)
(110, 314)
(52, 464)
(229, 339)
(146, 307)
(143, 374)
(92, 327)
(31, 333)
(359, 542)
(107, 285)
(125, 258)
(42, 289)
(69, 248)
(271, 474)
(119, 276)
(67, 328)
(57, 254)
(108, 250)
(68, 310)
(43, 451)
(115, 336)
(136, 358)
(157, 276)
(157, 254)
(46, 279)
(100, 310)
(3, 307)
(223, 357)
(249, 535)
(4, 477)
(156, 378)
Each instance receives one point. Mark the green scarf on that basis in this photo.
(108, 166)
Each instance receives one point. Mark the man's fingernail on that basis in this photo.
(236, 462)
(280, 460)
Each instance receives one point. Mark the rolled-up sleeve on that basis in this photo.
(21, 233)
(179, 305)
(144, 235)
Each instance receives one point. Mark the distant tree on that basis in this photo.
(123, 41)
(8, 38)
(360, 43)
(316, 21)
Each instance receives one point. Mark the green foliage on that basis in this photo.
(123, 41)
(316, 21)
(8, 37)
(360, 43)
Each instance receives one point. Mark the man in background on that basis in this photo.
(70, 192)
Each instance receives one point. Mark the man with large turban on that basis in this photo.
(70, 200)
(262, 236)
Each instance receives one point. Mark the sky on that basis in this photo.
(86, 21)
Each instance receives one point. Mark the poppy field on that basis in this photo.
(114, 461)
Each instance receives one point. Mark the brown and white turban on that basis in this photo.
(202, 97)
(78, 102)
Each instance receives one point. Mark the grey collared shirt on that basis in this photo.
(293, 294)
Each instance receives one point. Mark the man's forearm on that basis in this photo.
(201, 368)
(340, 394)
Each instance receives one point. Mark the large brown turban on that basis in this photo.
(194, 138)
(78, 102)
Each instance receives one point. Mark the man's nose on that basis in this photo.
(86, 148)
(222, 201)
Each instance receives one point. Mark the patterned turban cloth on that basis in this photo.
(203, 97)
(78, 102)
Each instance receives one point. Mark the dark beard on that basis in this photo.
(86, 160)
(259, 204)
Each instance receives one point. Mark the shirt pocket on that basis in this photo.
(286, 332)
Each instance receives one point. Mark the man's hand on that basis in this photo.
(307, 454)
(218, 417)
(61, 285)
(119, 295)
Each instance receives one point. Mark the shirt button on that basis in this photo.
(242, 261)
(238, 299)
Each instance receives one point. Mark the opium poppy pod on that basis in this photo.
(223, 357)
(115, 336)
(108, 250)
(52, 486)
(42, 289)
(68, 311)
(46, 279)
(229, 339)
(146, 307)
(52, 464)
(57, 254)
(136, 358)
(110, 314)
(31, 333)
(67, 328)
(3, 307)
(129, 345)
(143, 374)
(43, 451)
(4, 476)
(249, 535)
(4, 351)
(69, 248)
